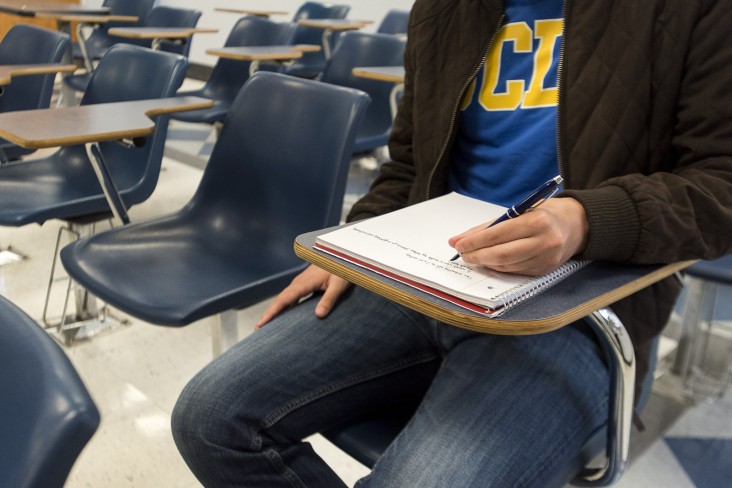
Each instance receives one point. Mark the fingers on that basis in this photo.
(534, 243)
(304, 284)
(336, 287)
(309, 281)
(286, 299)
(453, 240)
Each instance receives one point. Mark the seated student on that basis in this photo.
(631, 102)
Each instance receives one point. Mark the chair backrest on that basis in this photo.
(27, 44)
(172, 17)
(356, 49)
(312, 64)
(280, 164)
(128, 72)
(47, 414)
(394, 22)
(315, 10)
(99, 41)
(228, 76)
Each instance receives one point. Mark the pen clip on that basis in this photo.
(545, 198)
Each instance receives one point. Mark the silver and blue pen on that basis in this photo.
(534, 199)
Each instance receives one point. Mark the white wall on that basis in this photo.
(360, 9)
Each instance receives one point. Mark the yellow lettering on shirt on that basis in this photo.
(521, 36)
(515, 94)
(547, 32)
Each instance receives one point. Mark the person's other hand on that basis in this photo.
(311, 280)
(534, 243)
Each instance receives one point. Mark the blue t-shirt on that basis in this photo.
(506, 143)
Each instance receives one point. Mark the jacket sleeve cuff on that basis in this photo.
(614, 223)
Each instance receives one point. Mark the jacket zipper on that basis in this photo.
(560, 77)
(457, 106)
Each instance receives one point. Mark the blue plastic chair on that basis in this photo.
(278, 169)
(312, 64)
(99, 40)
(47, 414)
(170, 17)
(158, 17)
(358, 49)
(228, 76)
(394, 22)
(64, 185)
(26, 44)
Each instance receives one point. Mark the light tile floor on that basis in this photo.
(135, 372)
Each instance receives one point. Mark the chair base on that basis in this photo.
(88, 320)
(72, 330)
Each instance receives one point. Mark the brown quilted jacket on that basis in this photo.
(645, 128)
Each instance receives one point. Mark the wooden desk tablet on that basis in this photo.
(159, 34)
(256, 54)
(331, 25)
(31, 8)
(593, 287)
(64, 126)
(87, 19)
(8, 71)
(391, 74)
(255, 13)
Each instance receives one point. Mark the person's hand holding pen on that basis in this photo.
(534, 243)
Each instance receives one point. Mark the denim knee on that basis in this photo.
(202, 421)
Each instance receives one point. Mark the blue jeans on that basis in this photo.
(503, 411)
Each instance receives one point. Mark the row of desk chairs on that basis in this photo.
(157, 17)
(352, 50)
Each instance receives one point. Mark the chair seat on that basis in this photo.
(54, 188)
(77, 82)
(370, 142)
(217, 113)
(187, 272)
(718, 270)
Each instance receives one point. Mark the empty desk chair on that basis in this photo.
(63, 185)
(394, 22)
(158, 17)
(47, 414)
(170, 17)
(311, 64)
(26, 44)
(278, 168)
(358, 49)
(228, 76)
(98, 41)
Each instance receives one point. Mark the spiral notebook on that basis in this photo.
(410, 246)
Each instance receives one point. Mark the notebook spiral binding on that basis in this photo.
(522, 292)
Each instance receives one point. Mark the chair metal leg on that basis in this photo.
(694, 309)
(224, 332)
(619, 350)
(88, 319)
(44, 317)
